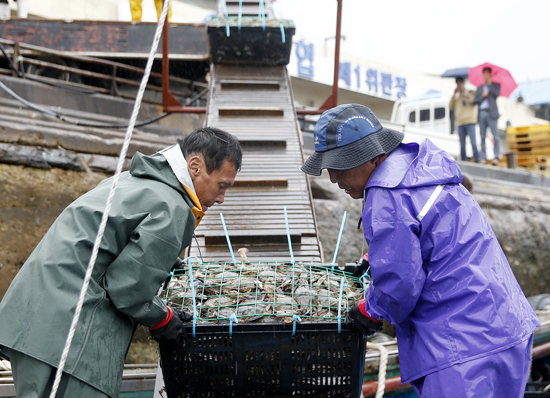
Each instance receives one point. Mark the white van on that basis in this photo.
(429, 116)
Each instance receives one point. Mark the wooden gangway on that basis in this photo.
(255, 103)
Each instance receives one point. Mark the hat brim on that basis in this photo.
(354, 154)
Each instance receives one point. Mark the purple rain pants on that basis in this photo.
(501, 375)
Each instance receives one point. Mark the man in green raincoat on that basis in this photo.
(156, 208)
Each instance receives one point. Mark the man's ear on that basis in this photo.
(194, 165)
(378, 159)
(375, 161)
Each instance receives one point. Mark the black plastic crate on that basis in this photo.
(250, 45)
(261, 360)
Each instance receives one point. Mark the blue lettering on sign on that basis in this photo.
(358, 73)
(344, 72)
(304, 53)
(372, 80)
(401, 85)
(386, 83)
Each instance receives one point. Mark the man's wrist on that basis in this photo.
(165, 321)
(361, 306)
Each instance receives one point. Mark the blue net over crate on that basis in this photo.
(263, 292)
(264, 329)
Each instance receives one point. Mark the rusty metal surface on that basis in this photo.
(106, 37)
(270, 178)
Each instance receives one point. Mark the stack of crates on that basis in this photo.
(532, 145)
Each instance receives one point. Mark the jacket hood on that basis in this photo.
(155, 167)
(415, 165)
(169, 167)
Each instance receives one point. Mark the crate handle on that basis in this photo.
(193, 289)
(232, 318)
(295, 318)
(333, 264)
(340, 305)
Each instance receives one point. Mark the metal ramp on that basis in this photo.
(255, 104)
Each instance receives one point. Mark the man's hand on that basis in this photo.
(486, 94)
(171, 328)
(365, 324)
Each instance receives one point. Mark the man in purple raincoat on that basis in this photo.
(464, 327)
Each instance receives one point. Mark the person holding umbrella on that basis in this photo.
(486, 97)
(461, 103)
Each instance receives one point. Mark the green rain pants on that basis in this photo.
(34, 379)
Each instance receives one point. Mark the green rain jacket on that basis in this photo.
(150, 224)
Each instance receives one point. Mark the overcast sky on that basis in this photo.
(431, 36)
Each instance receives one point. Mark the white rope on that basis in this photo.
(382, 366)
(102, 225)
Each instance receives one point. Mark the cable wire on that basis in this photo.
(63, 118)
(105, 215)
(10, 62)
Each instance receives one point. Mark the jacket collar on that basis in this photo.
(178, 164)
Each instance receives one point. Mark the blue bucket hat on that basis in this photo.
(348, 136)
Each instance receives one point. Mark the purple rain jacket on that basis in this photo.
(444, 282)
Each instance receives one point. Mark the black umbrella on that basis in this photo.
(457, 72)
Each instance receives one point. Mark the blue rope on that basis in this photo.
(283, 33)
(193, 290)
(338, 241)
(340, 305)
(225, 9)
(240, 13)
(261, 13)
(232, 318)
(228, 240)
(226, 16)
(295, 318)
(288, 237)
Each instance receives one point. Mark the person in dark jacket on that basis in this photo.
(486, 97)
(464, 327)
(157, 205)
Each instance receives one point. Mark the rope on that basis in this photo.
(340, 304)
(105, 216)
(240, 13)
(228, 240)
(288, 237)
(226, 16)
(333, 264)
(192, 284)
(295, 318)
(261, 13)
(382, 367)
(232, 318)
